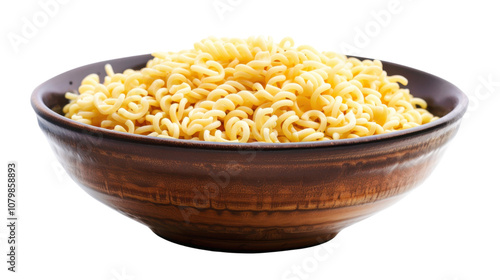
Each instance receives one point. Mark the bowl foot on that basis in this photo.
(244, 245)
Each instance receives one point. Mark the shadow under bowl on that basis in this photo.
(254, 197)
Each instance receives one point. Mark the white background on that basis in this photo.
(447, 229)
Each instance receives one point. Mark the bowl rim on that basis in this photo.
(46, 113)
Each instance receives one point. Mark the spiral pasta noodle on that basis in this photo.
(253, 90)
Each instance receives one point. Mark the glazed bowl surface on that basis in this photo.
(253, 197)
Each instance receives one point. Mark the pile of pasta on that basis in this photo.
(249, 90)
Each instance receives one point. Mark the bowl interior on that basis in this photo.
(443, 98)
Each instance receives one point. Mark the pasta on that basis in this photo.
(252, 90)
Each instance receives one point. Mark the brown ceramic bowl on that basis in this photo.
(247, 197)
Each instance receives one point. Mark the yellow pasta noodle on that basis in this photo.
(252, 90)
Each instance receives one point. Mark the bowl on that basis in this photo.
(247, 197)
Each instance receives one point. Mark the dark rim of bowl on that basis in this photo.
(43, 111)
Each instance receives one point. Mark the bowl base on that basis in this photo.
(242, 245)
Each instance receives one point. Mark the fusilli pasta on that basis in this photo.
(234, 90)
